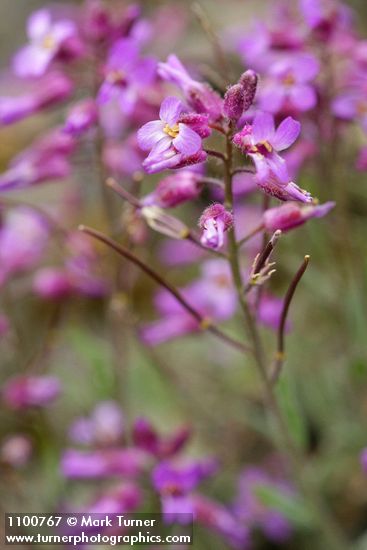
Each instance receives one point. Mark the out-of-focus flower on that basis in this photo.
(199, 95)
(262, 143)
(288, 85)
(169, 141)
(361, 164)
(105, 426)
(269, 311)
(248, 507)
(102, 463)
(16, 450)
(125, 497)
(46, 160)
(175, 189)
(214, 221)
(23, 238)
(50, 90)
(30, 391)
(292, 215)
(364, 460)
(146, 437)
(125, 73)
(175, 485)
(220, 520)
(46, 39)
(212, 295)
(81, 117)
(352, 105)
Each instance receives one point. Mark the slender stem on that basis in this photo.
(204, 323)
(192, 237)
(250, 235)
(242, 170)
(280, 354)
(329, 529)
(216, 154)
(121, 191)
(212, 181)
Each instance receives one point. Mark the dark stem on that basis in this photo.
(280, 353)
(205, 323)
(216, 154)
(266, 252)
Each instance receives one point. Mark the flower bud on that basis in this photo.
(175, 189)
(234, 101)
(158, 220)
(248, 81)
(292, 214)
(214, 221)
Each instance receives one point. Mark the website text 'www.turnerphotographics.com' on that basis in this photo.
(98, 529)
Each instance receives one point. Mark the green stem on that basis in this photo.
(333, 539)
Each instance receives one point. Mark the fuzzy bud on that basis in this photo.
(248, 81)
(214, 221)
(234, 102)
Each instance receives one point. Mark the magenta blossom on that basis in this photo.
(288, 86)
(146, 437)
(30, 391)
(82, 116)
(102, 463)
(214, 221)
(50, 90)
(175, 189)
(171, 143)
(199, 95)
(352, 105)
(104, 427)
(263, 143)
(292, 215)
(125, 73)
(175, 485)
(46, 40)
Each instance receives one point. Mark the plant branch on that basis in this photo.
(204, 323)
(280, 353)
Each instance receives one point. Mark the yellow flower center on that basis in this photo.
(48, 42)
(171, 131)
(115, 77)
(289, 80)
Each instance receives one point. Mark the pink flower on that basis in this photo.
(30, 391)
(175, 189)
(171, 143)
(263, 143)
(46, 39)
(214, 221)
(200, 96)
(292, 215)
(82, 116)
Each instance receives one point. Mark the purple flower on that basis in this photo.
(262, 143)
(52, 283)
(364, 460)
(249, 508)
(269, 311)
(212, 295)
(214, 221)
(102, 463)
(145, 437)
(175, 485)
(105, 426)
(199, 95)
(221, 520)
(292, 215)
(125, 73)
(175, 189)
(46, 160)
(16, 450)
(23, 238)
(284, 192)
(51, 89)
(81, 117)
(123, 498)
(46, 40)
(30, 391)
(288, 85)
(352, 105)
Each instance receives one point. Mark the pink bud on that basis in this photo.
(214, 221)
(234, 101)
(248, 81)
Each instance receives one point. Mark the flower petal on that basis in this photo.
(38, 24)
(187, 142)
(170, 110)
(303, 97)
(263, 127)
(286, 134)
(150, 134)
(32, 61)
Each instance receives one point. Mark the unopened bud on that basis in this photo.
(234, 101)
(248, 81)
(168, 225)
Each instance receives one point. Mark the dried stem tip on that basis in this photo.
(266, 252)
